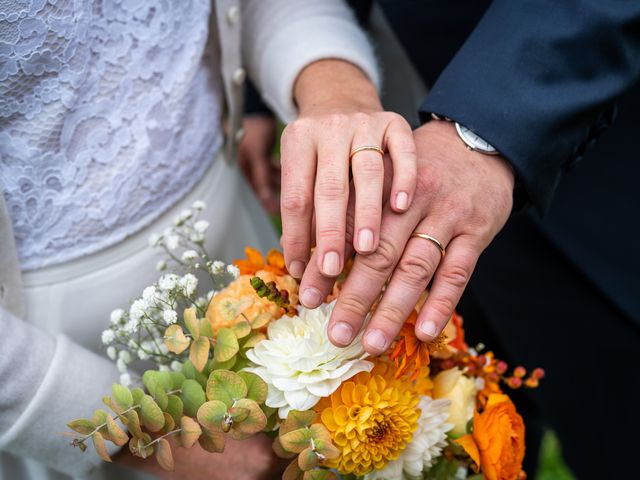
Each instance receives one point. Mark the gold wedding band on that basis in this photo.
(435, 241)
(366, 147)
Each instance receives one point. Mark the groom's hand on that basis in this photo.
(339, 112)
(463, 198)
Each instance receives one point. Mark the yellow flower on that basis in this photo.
(371, 419)
(453, 385)
(239, 301)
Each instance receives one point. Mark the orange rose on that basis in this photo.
(497, 442)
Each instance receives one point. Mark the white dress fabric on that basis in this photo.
(109, 112)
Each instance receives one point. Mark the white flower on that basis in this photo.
(112, 353)
(164, 368)
(116, 315)
(176, 366)
(122, 366)
(125, 379)
(189, 255)
(108, 336)
(149, 294)
(299, 363)
(137, 309)
(233, 271)
(201, 226)
(189, 283)
(142, 355)
(217, 267)
(426, 445)
(172, 242)
(154, 239)
(161, 265)
(125, 356)
(170, 317)
(196, 237)
(131, 326)
(199, 205)
(168, 282)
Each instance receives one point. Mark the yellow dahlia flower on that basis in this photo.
(371, 419)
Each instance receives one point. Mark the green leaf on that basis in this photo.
(212, 442)
(164, 455)
(191, 321)
(293, 472)
(241, 329)
(199, 352)
(101, 448)
(117, 434)
(238, 414)
(169, 423)
(152, 417)
(319, 474)
(137, 394)
(260, 321)
(228, 365)
(138, 446)
(308, 460)
(211, 415)
(122, 396)
(133, 423)
(229, 309)
(297, 419)
(175, 407)
(190, 431)
(205, 328)
(326, 449)
(253, 423)
(99, 417)
(82, 425)
(175, 339)
(297, 440)
(192, 397)
(226, 386)
(189, 371)
(253, 340)
(279, 451)
(256, 387)
(226, 345)
(176, 380)
(320, 432)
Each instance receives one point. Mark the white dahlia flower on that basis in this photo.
(426, 446)
(299, 363)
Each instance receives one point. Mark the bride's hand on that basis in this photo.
(339, 112)
(251, 459)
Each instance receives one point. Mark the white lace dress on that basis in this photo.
(109, 113)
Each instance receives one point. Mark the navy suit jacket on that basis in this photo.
(540, 79)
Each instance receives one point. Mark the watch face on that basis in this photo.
(474, 141)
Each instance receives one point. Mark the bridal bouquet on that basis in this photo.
(241, 356)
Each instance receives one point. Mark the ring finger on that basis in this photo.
(415, 270)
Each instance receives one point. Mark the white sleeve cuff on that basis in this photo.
(297, 44)
(73, 387)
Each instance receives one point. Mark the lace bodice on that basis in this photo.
(109, 113)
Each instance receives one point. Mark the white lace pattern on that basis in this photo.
(109, 113)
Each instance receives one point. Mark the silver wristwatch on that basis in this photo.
(472, 140)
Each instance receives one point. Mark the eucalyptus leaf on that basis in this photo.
(122, 396)
(192, 397)
(226, 386)
(82, 425)
(211, 415)
(199, 352)
(117, 434)
(164, 455)
(152, 415)
(256, 387)
(191, 321)
(190, 431)
(175, 407)
(175, 339)
(226, 345)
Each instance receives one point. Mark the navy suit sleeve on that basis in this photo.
(538, 80)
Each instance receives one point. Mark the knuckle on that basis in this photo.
(330, 231)
(330, 187)
(444, 306)
(295, 245)
(391, 314)
(455, 276)
(337, 120)
(296, 202)
(416, 269)
(384, 258)
(353, 304)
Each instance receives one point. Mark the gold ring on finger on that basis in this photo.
(364, 148)
(433, 240)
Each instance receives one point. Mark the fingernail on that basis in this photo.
(376, 339)
(428, 328)
(310, 297)
(296, 268)
(402, 201)
(365, 240)
(342, 333)
(331, 264)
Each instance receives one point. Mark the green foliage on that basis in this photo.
(551, 465)
(226, 386)
(192, 397)
(122, 396)
(226, 345)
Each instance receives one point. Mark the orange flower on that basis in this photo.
(239, 302)
(409, 353)
(497, 442)
(255, 262)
